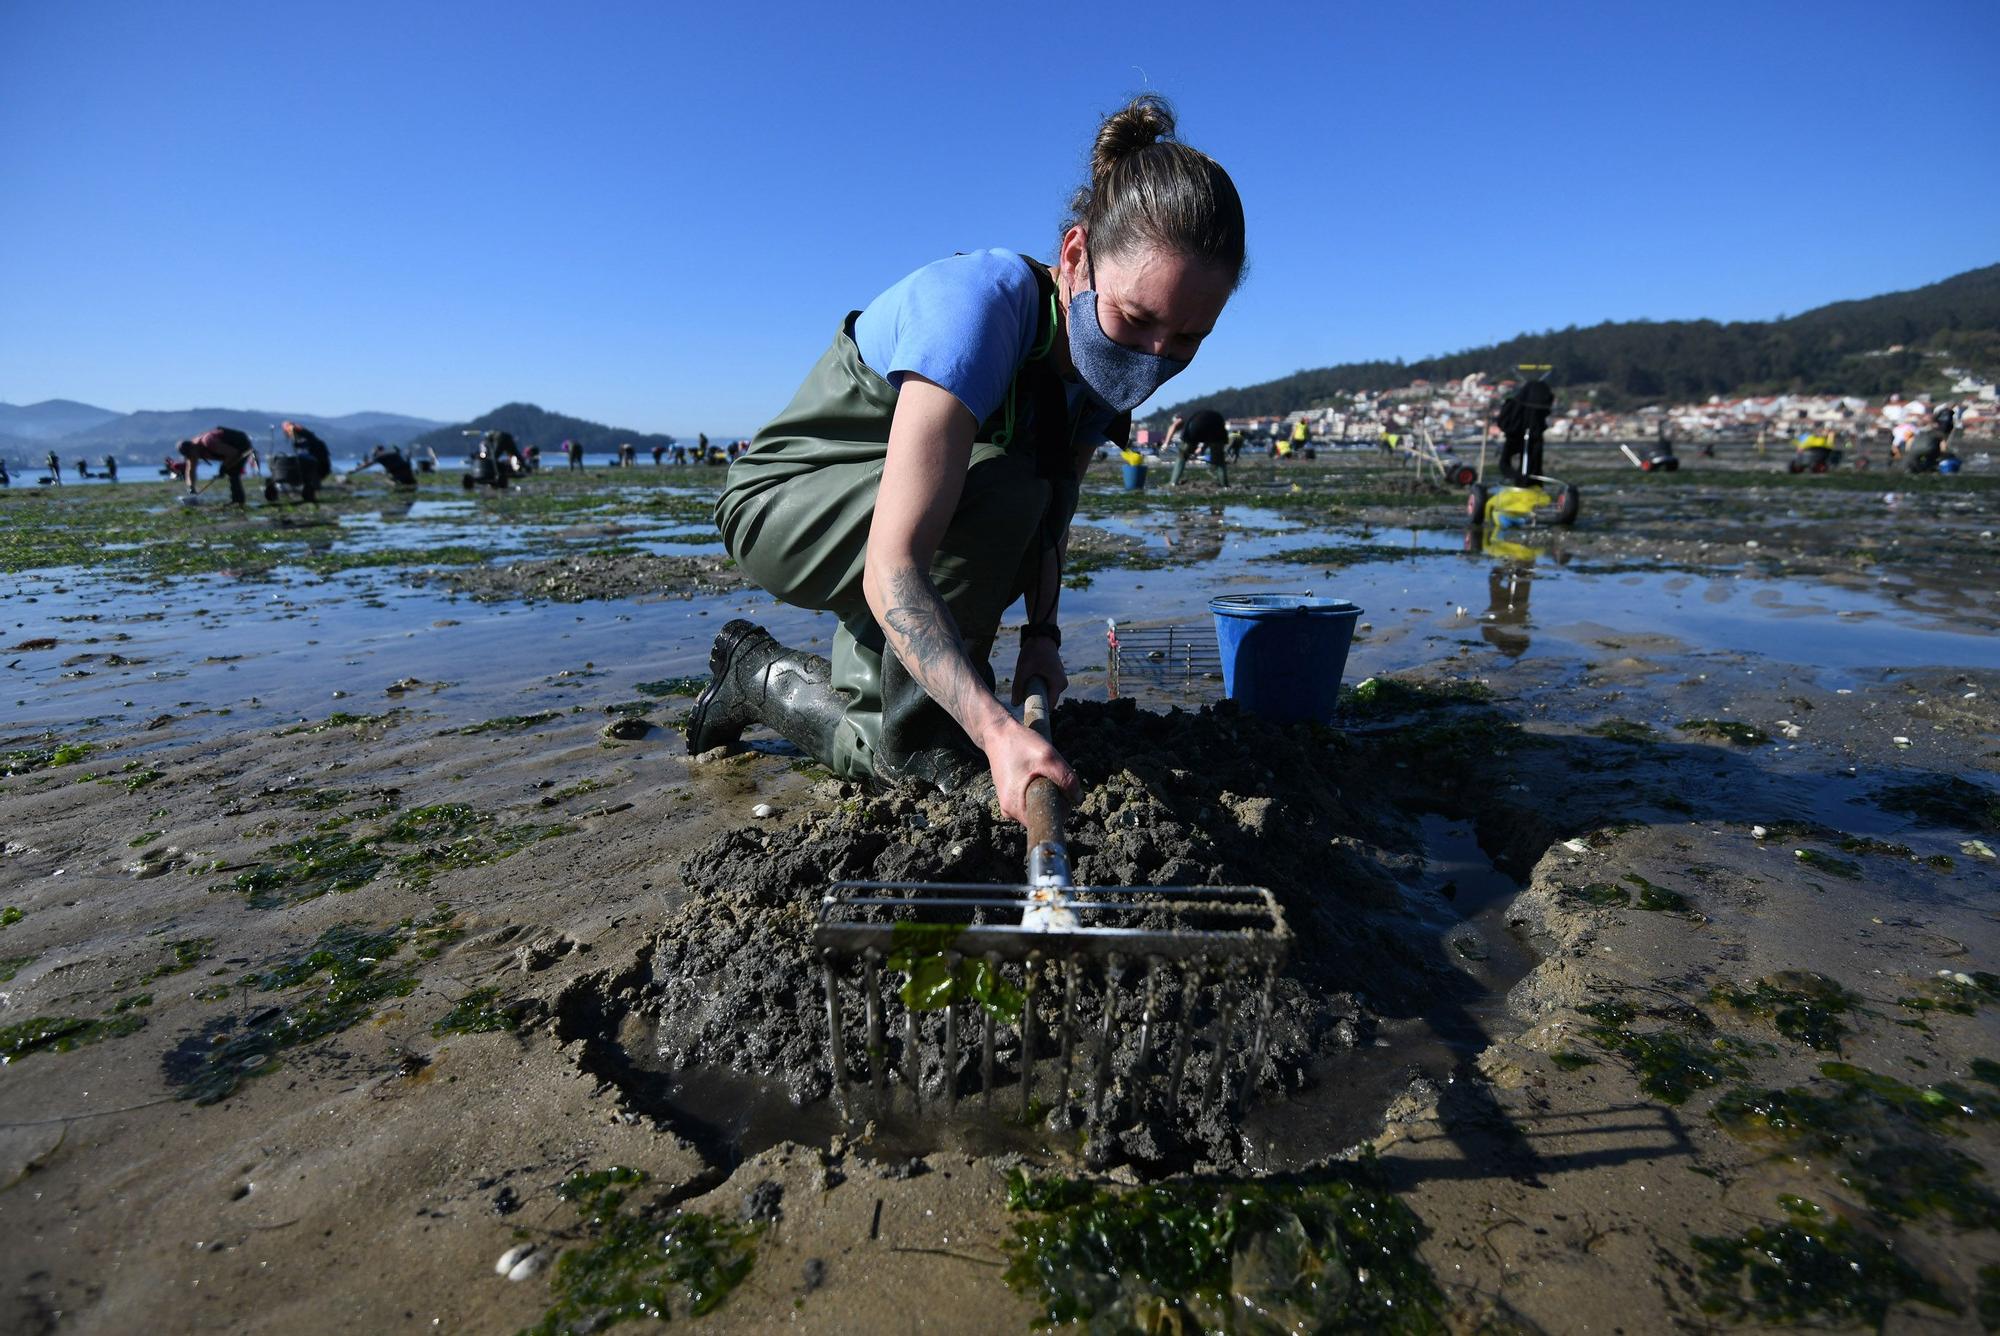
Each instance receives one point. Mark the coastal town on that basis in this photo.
(1463, 410)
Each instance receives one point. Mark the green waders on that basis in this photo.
(795, 515)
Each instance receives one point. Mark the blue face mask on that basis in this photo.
(1121, 378)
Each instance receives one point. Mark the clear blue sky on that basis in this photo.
(655, 215)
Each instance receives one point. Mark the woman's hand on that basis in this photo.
(1040, 657)
(1018, 754)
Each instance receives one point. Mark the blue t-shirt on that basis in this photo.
(965, 323)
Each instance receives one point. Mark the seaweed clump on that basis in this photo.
(1671, 1063)
(1811, 1267)
(1885, 1136)
(1946, 800)
(1802, 1006)
(1725, 730)
(642, 1263)
(1333, 1254)
(347, 964)
(60, 1034)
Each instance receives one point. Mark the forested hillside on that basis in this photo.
(1836, 349)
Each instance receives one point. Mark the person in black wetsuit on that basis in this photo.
(111, 467)
(1524, 418)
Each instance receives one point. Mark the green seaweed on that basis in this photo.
(938, 977)
(1337, 1253)
(1602, 894)
(1624, 730)
(1946, 800)
(1725, 730)
(487, 844)
(1827, 863)
(1957, 993)
(475, 1013)
(1377, 696)
(60, 1034)
(188, 952)
(645, 1263)
(12, 965)
(1671, 1064)
(438, 822)
(10, 916)
(1658, 899)
(143, 838)
(510, 723)
(1803, 1006)
(1812, 1267)
(26, 760)
(345, 973)
(305, 868)
(672, 686)
(343, 719)
(629, 709)
(1571, 1062)
(1884, 1135)
(1865, 844)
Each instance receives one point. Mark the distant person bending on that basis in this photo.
(6, 479)
(658, 450)
(305, 442)
(393, 463)
(1524, 420)
(55, 468)
(1204, 431)
(628, 455)
(1929, 447)
(111, 467)
(228, 449)
(573, 451)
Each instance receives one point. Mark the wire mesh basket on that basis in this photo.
(1171, 661)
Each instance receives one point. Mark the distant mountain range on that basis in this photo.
(84, 431)
(1896, 343)
(531, 425)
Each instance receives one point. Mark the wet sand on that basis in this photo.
(1600, 1024)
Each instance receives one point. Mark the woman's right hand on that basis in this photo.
(1017, 754)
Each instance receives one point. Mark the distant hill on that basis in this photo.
(1836, 349)
(50, 419)
(144, 436)
(531, 425)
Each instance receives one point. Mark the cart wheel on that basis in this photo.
(1795, 466)
(310, 491)
(1567, 501)
(1465, 476)
(465, 479)
(270, 491)
(1475, 504)
(1670, 466)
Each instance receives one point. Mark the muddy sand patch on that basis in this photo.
(579, 579)
(1212, 798)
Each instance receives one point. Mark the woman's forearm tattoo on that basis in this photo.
(926, 639)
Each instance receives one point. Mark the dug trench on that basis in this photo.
(720, 1028)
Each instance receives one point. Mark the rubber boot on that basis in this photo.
(759, 681)
(919, 740)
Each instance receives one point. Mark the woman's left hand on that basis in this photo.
(1040, 657)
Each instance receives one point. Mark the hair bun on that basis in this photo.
(1144, 121)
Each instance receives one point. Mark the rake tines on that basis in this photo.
(1103, 1020)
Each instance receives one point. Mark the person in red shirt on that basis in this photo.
(226, 447)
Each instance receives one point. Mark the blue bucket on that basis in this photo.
(1283, 654)
(1135, 477)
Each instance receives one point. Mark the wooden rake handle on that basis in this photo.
(1048, 809)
